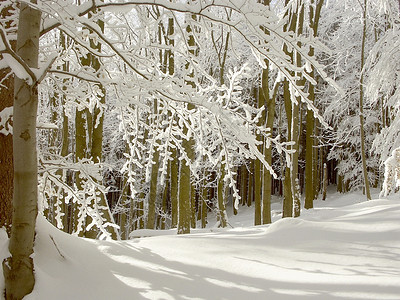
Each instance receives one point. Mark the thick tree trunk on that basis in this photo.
(6, 143)
(6, 156)
(18, 269)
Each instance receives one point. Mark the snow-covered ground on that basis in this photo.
(345, 248)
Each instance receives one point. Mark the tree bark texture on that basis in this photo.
(18, 269)
(6, 143)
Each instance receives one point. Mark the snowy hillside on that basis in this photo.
(342, 249)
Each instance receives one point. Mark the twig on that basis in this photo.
(54, 242)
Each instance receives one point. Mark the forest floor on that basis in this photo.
(344, 248)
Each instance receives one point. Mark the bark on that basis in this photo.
(325, 182)
(153, 195)
(258, 170)
(287, 195)
(310, 122)
(269, 123)
(268, 120)
(6, 156)
(6, 145)
(184, 213)
(174, 172)
(362, 133)
(250, 187)
(174, 163)
(204, 207)
(80, 153)
(244, 182)
(18, 269)
(222, 217)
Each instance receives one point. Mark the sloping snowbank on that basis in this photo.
(331, 252)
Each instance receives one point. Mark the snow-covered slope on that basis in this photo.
(334, 251)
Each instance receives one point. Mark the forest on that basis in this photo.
(121, 119)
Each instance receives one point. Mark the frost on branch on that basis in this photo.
(6, 121)
(392, 173)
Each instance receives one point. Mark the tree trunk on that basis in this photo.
(257, 166)
(174, 173)
(80, 153)
(287, 194)
(269, 123)
(325, 182)
(6, 145)
(362, 133)
(204, 207)
(153, 195)
(310, 123)
(184, 213)
(6, 156)
(222, 217)
(244, 182)
(18, 269)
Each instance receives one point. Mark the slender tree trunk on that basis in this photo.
(80, 153)
(325, 182)
(184, 213)
(287, 194)
(204, 207)
(174, 171)
(310, 123)
(222, 217)
(18, 269)
(257, 168)
(250, 187)
(244, 181)
(269, 123)
(362, 133)
(153, 195)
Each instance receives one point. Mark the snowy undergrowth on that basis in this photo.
(344, 248)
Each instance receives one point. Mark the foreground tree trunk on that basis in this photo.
(18, 269)
(6, 141)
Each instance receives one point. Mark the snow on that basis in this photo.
(17, 68)
(344, 248)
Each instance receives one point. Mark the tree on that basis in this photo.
(6, 153)
(218, 114)
(343, 111)
(18, 269)
(361, 103)
(314, 15)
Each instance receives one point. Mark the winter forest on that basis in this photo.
(142, 140)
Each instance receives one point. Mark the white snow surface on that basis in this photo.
(344, 248)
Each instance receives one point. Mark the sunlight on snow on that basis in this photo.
(133, 282)
(229, 284)
(294, 292)
(365, 296)
(147, 266)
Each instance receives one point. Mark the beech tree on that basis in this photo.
(18, 269)
(224, 126)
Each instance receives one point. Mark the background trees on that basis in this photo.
(152, 116)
